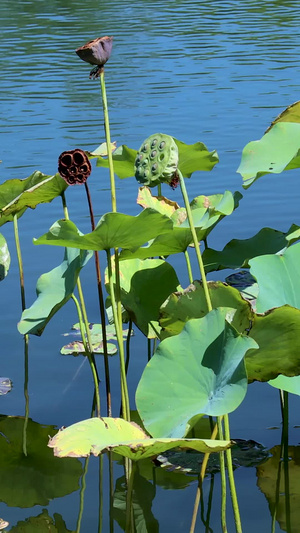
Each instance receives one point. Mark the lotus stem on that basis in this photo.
(285, 435)
(201, 478)
(119, 335)
(234, 500)
(100, 493)
(189, 266)
(108, 143)
(128, 345)
(26, 337)
(195, 240)
(88, 353)
(129, 522)
(102, 308)
(223, 478)
(82, 491)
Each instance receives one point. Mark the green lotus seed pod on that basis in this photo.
(157, 160)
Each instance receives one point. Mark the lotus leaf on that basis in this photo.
(98, 435)
(199, 371)
(77, 347)
(273, 153)
(43, 523)
(53, 289)
(191, 303)
(144, 287)
(289, 384)
(192, 157)
(237, 252)
(17, 195)
(114, 230)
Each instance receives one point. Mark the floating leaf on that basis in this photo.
(199, 371)
(53, 290)
(272, 153)
(289, 384)
(267, 478)
(29, 480)
(290, 114)
(191, 303)
(114, 230)
(98, 435)
(237, 253)
(77, 347)
(17, 195)
(278, 277)
(192, 157)
(5, 386)
(143, 493)
(144, 287)
(277, 334)
(4, 258)
(102, 150)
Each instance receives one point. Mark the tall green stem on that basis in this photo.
(26, 337)
(189, 266)
(195, 240)
(108, 143)
(234, 500)
(119, 334)
(223, 479)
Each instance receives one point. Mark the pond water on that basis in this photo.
(212, 71)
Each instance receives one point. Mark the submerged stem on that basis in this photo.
(223, 478)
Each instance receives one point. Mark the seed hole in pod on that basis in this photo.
(161, 157)
(145, 162)
(140, 157)
(145, 148)
(154, 167)
(162, 145)
(154, 143)
(73, 170)
(67, 159)
(146, 173)
(78, 158)
(153, 153)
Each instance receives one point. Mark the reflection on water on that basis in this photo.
(213, 71)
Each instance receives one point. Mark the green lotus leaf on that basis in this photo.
(175, 241)
(77, 347)
(245, 283)
(144, 287)
(289, 384)
(192, 157)
(4, 258)
(278, 278)
(39, 477)
(98, 435)
(191, 303)
(17, 195)
(199, 371)
(273, 153)
(290, 114)
(53, 290)
(238, 252)
(114, 230)
(123, 159)
(267, 479)
(277, 334)
(143, 493)
(43, 523)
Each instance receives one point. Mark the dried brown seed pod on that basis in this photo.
(96, 52)
(74, 166)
